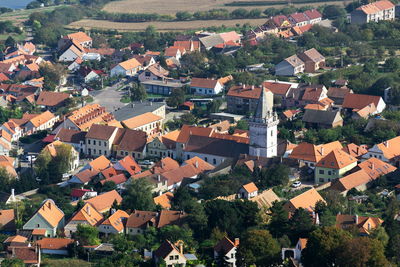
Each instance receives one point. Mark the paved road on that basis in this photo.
(109, 97)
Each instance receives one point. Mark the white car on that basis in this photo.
(296, 184)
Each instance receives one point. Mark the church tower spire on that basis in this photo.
(263, 127)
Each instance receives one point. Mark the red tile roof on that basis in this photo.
(203, 83)
(54, 243)
(245, 91)
(359, 101)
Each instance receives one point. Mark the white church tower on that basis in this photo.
(263, 127)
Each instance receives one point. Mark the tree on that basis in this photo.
(176, 98)
(87, 235)
(279, 224)
(138, 92)
(300, 224)
(10, 42)
(122, 244)
(333, 12)
(324, 246)
(138, 196)
(52, 75)
(188, 118)
(183, 15)
(12, 263)
(274, 175)
(258, 247)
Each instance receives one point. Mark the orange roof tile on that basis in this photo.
(164, 200)
(364, 224)
(38, 231)
(245, 91)
(116, 220)
(130, 165)
(313, 153)
(100, 163)
(51, 213)
(315, 107)
(199, 164)
(51, 99)
(87, 214)
(80, 37)
(54, 243)
(359, 101)
(336, 159)
(375, 167)
(355, 150)
(306, 200)
(351, 181)
(130, 64)
(141, 120)
(250, 187)
(16, 239)
(104, 202)
(390, 148)
(42, 118)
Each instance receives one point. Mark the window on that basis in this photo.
(88, 141)
(126, 153)
(94, 151)
(94, 142)
(206, 159)
(105, 143)
(38, 225)
(176, 257)
(99, 152)
(122, 153)
(214, 161)
(188, 157)
(171, 257)
(321, 171)
(329, 173)
(321, 180)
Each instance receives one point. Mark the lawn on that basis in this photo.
(18, 37)
(51, 262)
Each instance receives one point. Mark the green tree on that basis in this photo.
(10, 42)
(138, 196)
(279, 224)
(52, 75)
(12, 263)
(258, 247)
(87, 235)
(138, 92)
(300, 224)
(324, 246)
(274, 175)
(183, 15)
(176, 98)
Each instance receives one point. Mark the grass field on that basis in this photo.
(21, 15)
(170, 7)
(161, 25)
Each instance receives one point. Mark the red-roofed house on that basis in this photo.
(228, 250)
(204, 86)
(298, 19)
(357, 102)
(376, 11)
(313, 16)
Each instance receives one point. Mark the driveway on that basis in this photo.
(109, 97)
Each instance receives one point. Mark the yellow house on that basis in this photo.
(333, 166)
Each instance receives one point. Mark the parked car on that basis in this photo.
(296, 184)
(146, 162)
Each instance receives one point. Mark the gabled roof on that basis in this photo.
(351, 181)
(204, 83)
(168, 217)
(225, 245)
(54, 243)
(80, 37)
(164, 165)
(294, 61)
(172, 51)
(165, 249)
(7, 218)
(51, 99)
(16, 239)
(100, 163)
(130, 64)
(375, 7)
(50, 212)
(313, 153)
(70, 136)
(164, 200)
(28, 255)
(117, 179)
(298, 17)
(338, 92)
(101, 132)
(363, 223)
(245, 91)
(104, 202)
(130, 165)
(375, 167)
(139, 219)
(79, 192)
(336, 159)
(355, 150)
(311, 55)
(359, 101)
(390, 148)
(312, 14)
(199, 164)
(277, 88)
(250, 187)
(86, 175)
(87, 214)
(141, 120)
(130, 140)
(324, 117)
(306, 200)
(116, 220)
(42, 118)
(187, 131)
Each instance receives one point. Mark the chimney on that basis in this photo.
(252, 87)
(322, 150)
(372, 166)
(386, 143)
(196, 164)
(158, 177)
(181, 247)
(356, 219)
(88, 209)
(236, 243)
(244, 86)
(13, 194)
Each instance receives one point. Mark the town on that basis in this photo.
(268, 145)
